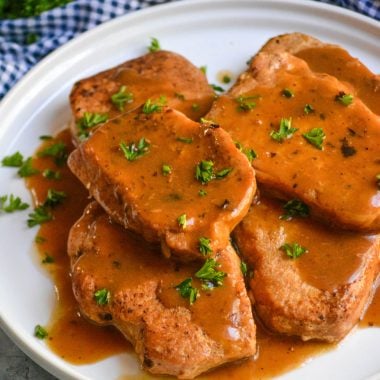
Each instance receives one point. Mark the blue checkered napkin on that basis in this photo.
(53, 29)
(369, 8)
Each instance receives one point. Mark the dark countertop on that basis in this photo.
(15, 365)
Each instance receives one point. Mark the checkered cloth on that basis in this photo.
(18, 51)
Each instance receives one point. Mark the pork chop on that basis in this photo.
(122, 281)
(173, 180)
(333, 60)
(127, 86)
(316, 294)
(314, 141)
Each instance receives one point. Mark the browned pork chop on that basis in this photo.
(333, 60)
(173, 180)
(154, 75)
(322, 293)
(121, 281)
(313, 140)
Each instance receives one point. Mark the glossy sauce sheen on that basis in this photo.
(78, 341)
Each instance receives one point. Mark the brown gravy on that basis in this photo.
(372, 315)
(79, 342)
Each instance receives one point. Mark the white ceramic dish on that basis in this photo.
(220, 34)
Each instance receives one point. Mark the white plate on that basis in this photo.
(219, 34)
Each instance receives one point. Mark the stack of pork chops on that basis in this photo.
(172, 172)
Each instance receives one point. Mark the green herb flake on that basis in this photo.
(293, 250)
(166, 169)
(246, 103)
(210, 275)
(285, 130)
(295, 208)
(182, 221)
(150, 107)
(57, 151)
(249, 152)
(217, 88)
(54, 198)
(204, 171)
(204, 246)
(39, 239)
(40, 215)
(195, 107)
(202, 193)
(14, 204)
(315, 137)
(308, 108)
(26, 169)
(15, 160)
(47, 260)
(223, 173)
(102, 296)
(226, 79)
(154, 45)
(287, 93)
(185, 140)
(31, 38)
(345, 99)
(203, 69)
(45, 137)
(88, 121)
(40, 332)
(179, 96)
(243, 268)
(135, 150)
(51, 174)
(186, 290)
(209, 123)
(121, 98)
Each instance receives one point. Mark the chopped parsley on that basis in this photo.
(293, 250)
(226, 79)
(315, 137)
(204, 246)
(243, 268)
(40, 332)
(287, 93)
(210, 275)
(51, 174)
(40, 215)
(217, 88)
(150, 107)
(182, 221)
(250, 153)
(185, 140)
(223, 173)
(47, 260)
(134, 150)
(102, 296)
(154, 45)
(209, 123)
(166, 169)
(202, 193)
(285, 130)
(26, 169)
(186, 290)
(54, 198)
(179, 96)
(195, 107)
(308, 108)
(121, 98)
(295, 208)
(204, 171)
(45, 137)
(31, 38)
(203, 69)
(57, 151)
(15, 160)
(14, 204)
(39, 239)
(246, 103)
(345, 99)
(88, 121)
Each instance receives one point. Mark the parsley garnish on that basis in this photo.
(166, 169)
(202, 193)
(182, 221)
(54, 198)
(179, 96)
(223, 173)
(88, 121)
(210, 275)
(203, 69)
(40, 332)
(245, 103)
(295, 208)
(133, 151)
(186, 140)
(40, 215)
(217, 88)
(345, 99)
(315, 137)
(150, 107)
(285, 130)
(204, 171)
(154, 45)
(57, 151)
(209, 123)
(26, 169)
(15, 160)
(51, 174)
(293, 250)
(226, 79)
(186, 290)
(102, 296)
(121, 98)
(287, 92)
(308, 109)
(243, 268)
(45, 137)
(195, 107)
(14, 204)
(39, 239)
(47, 260)
(204, 246)
(250, 153)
